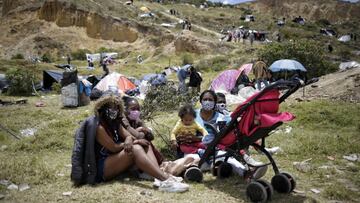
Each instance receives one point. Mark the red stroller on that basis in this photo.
(252, 121)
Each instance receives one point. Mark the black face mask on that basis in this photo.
(112, 114)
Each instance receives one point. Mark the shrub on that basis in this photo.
(187, 59)
(17, 56)
(46, 58)
(309, 53)
(164, 98)
(20, 82)
(80, 54)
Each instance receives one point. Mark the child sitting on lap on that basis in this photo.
(188, 132)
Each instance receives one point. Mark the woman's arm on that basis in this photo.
(105, 140)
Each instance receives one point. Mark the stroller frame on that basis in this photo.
(243, 142)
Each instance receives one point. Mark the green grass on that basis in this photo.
(321, 129)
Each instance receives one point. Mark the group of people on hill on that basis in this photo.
(241, 35)
(118, 141)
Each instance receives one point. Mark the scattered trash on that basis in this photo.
(12, 186)
(352, 157)
(2, 196)
(288, 129)
(303, 166)
(60, 174)
(325, 167)
(40, 104)
(327, 176)
(145, 192)
(299, 191)
(316, 191)
(68, 165)
(23, 187)
(5, 182)
(67, 193)
(331, 158)
(29, 132)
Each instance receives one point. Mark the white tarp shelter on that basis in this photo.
(348, 65)
(96, 57)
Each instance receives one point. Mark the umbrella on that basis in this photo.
(286, 65)
(246, 68)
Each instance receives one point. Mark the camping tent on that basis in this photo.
(115, 80)
(226, 80)
(348, 65)
(51, 76)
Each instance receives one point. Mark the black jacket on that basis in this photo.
(83, 169)
(195, 79)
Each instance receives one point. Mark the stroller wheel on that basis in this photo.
(193, 174)
(281, 183)
(215, 167)
(269, 188)
(224, 170)
(292, 180)
(256, 192)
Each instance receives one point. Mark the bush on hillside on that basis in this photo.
(46, 58)
(164, 98)
(309, 53)
(20, 82)
(17, 56)
(187, 59)
(80, 54)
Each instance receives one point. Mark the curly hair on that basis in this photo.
(106, 102)
(186, 109)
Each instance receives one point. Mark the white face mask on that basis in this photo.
(221, 106)
(207, 105)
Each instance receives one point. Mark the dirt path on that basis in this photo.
(203, 29)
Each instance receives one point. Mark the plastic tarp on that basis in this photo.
(225, 81)
(344, 38)
(96, 57)
(51, 76)
(246, 68)
(155, 79)
(115, 80)
(348, 65)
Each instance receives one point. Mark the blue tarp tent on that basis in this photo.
(155, 79)
(51, 76)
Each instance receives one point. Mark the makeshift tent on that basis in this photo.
(344, 38)
(96, 57)
(348, 65)
(155, 79)
(225, 81)
(51, 76)
(117, 81)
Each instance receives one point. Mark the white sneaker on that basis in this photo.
(157, 182)
(170, 185)
(252, 162)
(273, 150)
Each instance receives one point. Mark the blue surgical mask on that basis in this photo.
(207, 105)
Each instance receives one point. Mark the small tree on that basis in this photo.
(309, 53)
(46, 58)
(17, 56)
(80, 54)
(187, 59)
(20, 82)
